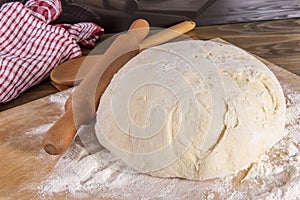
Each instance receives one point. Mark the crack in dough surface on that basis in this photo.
(192, 109)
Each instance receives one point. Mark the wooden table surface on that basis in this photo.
(277, 41)
(26, 168)
(236, 11)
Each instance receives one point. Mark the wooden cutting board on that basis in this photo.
(24, 165)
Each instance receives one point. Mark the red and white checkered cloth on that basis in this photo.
(30, 48)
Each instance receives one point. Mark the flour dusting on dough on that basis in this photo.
(276, 175)
(82, 173)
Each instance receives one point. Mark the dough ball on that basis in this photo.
(191, 109)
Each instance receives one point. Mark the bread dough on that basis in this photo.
(191, 109)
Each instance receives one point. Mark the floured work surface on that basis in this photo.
(27, 172)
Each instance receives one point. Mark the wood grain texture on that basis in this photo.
(277, 41)
(233, 11)
(24, 165)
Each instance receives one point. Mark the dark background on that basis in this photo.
(116, 15)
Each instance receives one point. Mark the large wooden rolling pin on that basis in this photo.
(73, 71)
(86, 97)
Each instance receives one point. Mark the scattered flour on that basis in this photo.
(39, 130)
(61, 97)
(87, 169)
(290, 191)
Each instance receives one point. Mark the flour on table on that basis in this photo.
(88, 169)
(60, 98)
(38, 131)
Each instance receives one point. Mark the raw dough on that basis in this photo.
(192, 109)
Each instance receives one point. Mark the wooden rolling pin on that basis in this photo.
(73, 71)
(167, 34)
(85, 99)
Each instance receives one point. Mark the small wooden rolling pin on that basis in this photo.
(86, 97)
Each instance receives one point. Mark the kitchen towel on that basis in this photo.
(30, 47)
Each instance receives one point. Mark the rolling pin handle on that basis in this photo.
(55, 142)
